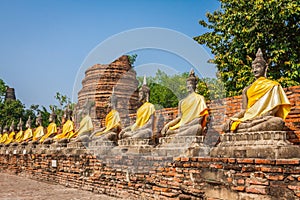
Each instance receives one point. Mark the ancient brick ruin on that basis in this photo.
(98, 84)
(156, 175)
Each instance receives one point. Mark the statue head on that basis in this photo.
(86, 108)
(20, 125)
(113, 100)
(144, 92)
(68, 113)
(52, 116)
(191, 82)
(38, 120)
(12, 126)
(28, 122)
(259, 65)
(5, 129)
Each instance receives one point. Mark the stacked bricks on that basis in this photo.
(163, 177)
(98, 84)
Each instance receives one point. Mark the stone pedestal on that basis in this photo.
(182, 146)
(133, 146)
(101, 147)
(75, 148)
(266, 144)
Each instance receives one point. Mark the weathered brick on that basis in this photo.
(257, 189)
(264, 161)
(271, 169)
(275, 177)
(245, 160)
(287, 162)
(238, 188)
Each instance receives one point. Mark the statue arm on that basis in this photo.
(244, 104)
(172, 122)
(271, 112)
(97, 131)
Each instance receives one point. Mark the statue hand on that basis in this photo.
(164, 130)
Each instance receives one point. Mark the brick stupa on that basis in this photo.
(98, 84)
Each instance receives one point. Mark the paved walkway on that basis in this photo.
(20, 188)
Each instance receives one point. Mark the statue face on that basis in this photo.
(190, 86)
(141, 95)
(258, 69)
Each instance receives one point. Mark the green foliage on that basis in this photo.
(240, 27)
(132, 59)
(211, 88)
(2, 90)
(11, 110)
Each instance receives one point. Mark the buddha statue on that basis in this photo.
(19, 136)
(4, 135)
(143, 126)
(112, 122)
(264, 103)
(86, 124)
(67, 128)
(28, 134)
(12, 134)
(192, 113)
(39, 131)
(51, 129)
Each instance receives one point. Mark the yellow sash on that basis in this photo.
(192, 107)
(4, 138)
(39, 132)
(51, 129)
(112, 120)
(68, 130)
(263, 96)
(19, 137)
(28, 134)
(143, 114)
(86, 125)
(10, 138)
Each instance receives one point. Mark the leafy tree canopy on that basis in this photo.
(240, 27)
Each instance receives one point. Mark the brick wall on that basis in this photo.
(164, 178)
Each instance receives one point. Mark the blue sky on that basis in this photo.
(44, 43)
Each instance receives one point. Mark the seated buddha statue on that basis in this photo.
(112, 123)
(28, 134)
(264, 103)
(4, 136)
(19, 135)
(39, 132)
(67, 128)
(51, 129)
(192, 113)
(86, 126)
(11, 135)
(143, 126)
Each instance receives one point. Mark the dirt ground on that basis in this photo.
(19, 188)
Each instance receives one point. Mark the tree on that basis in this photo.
(11, 110)
(132, 59)
(240, 27)
(2, 90)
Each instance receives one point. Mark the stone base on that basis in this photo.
(75, 148)
(181, 146)
(133, 146)
(101, 147)
(266, 144)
